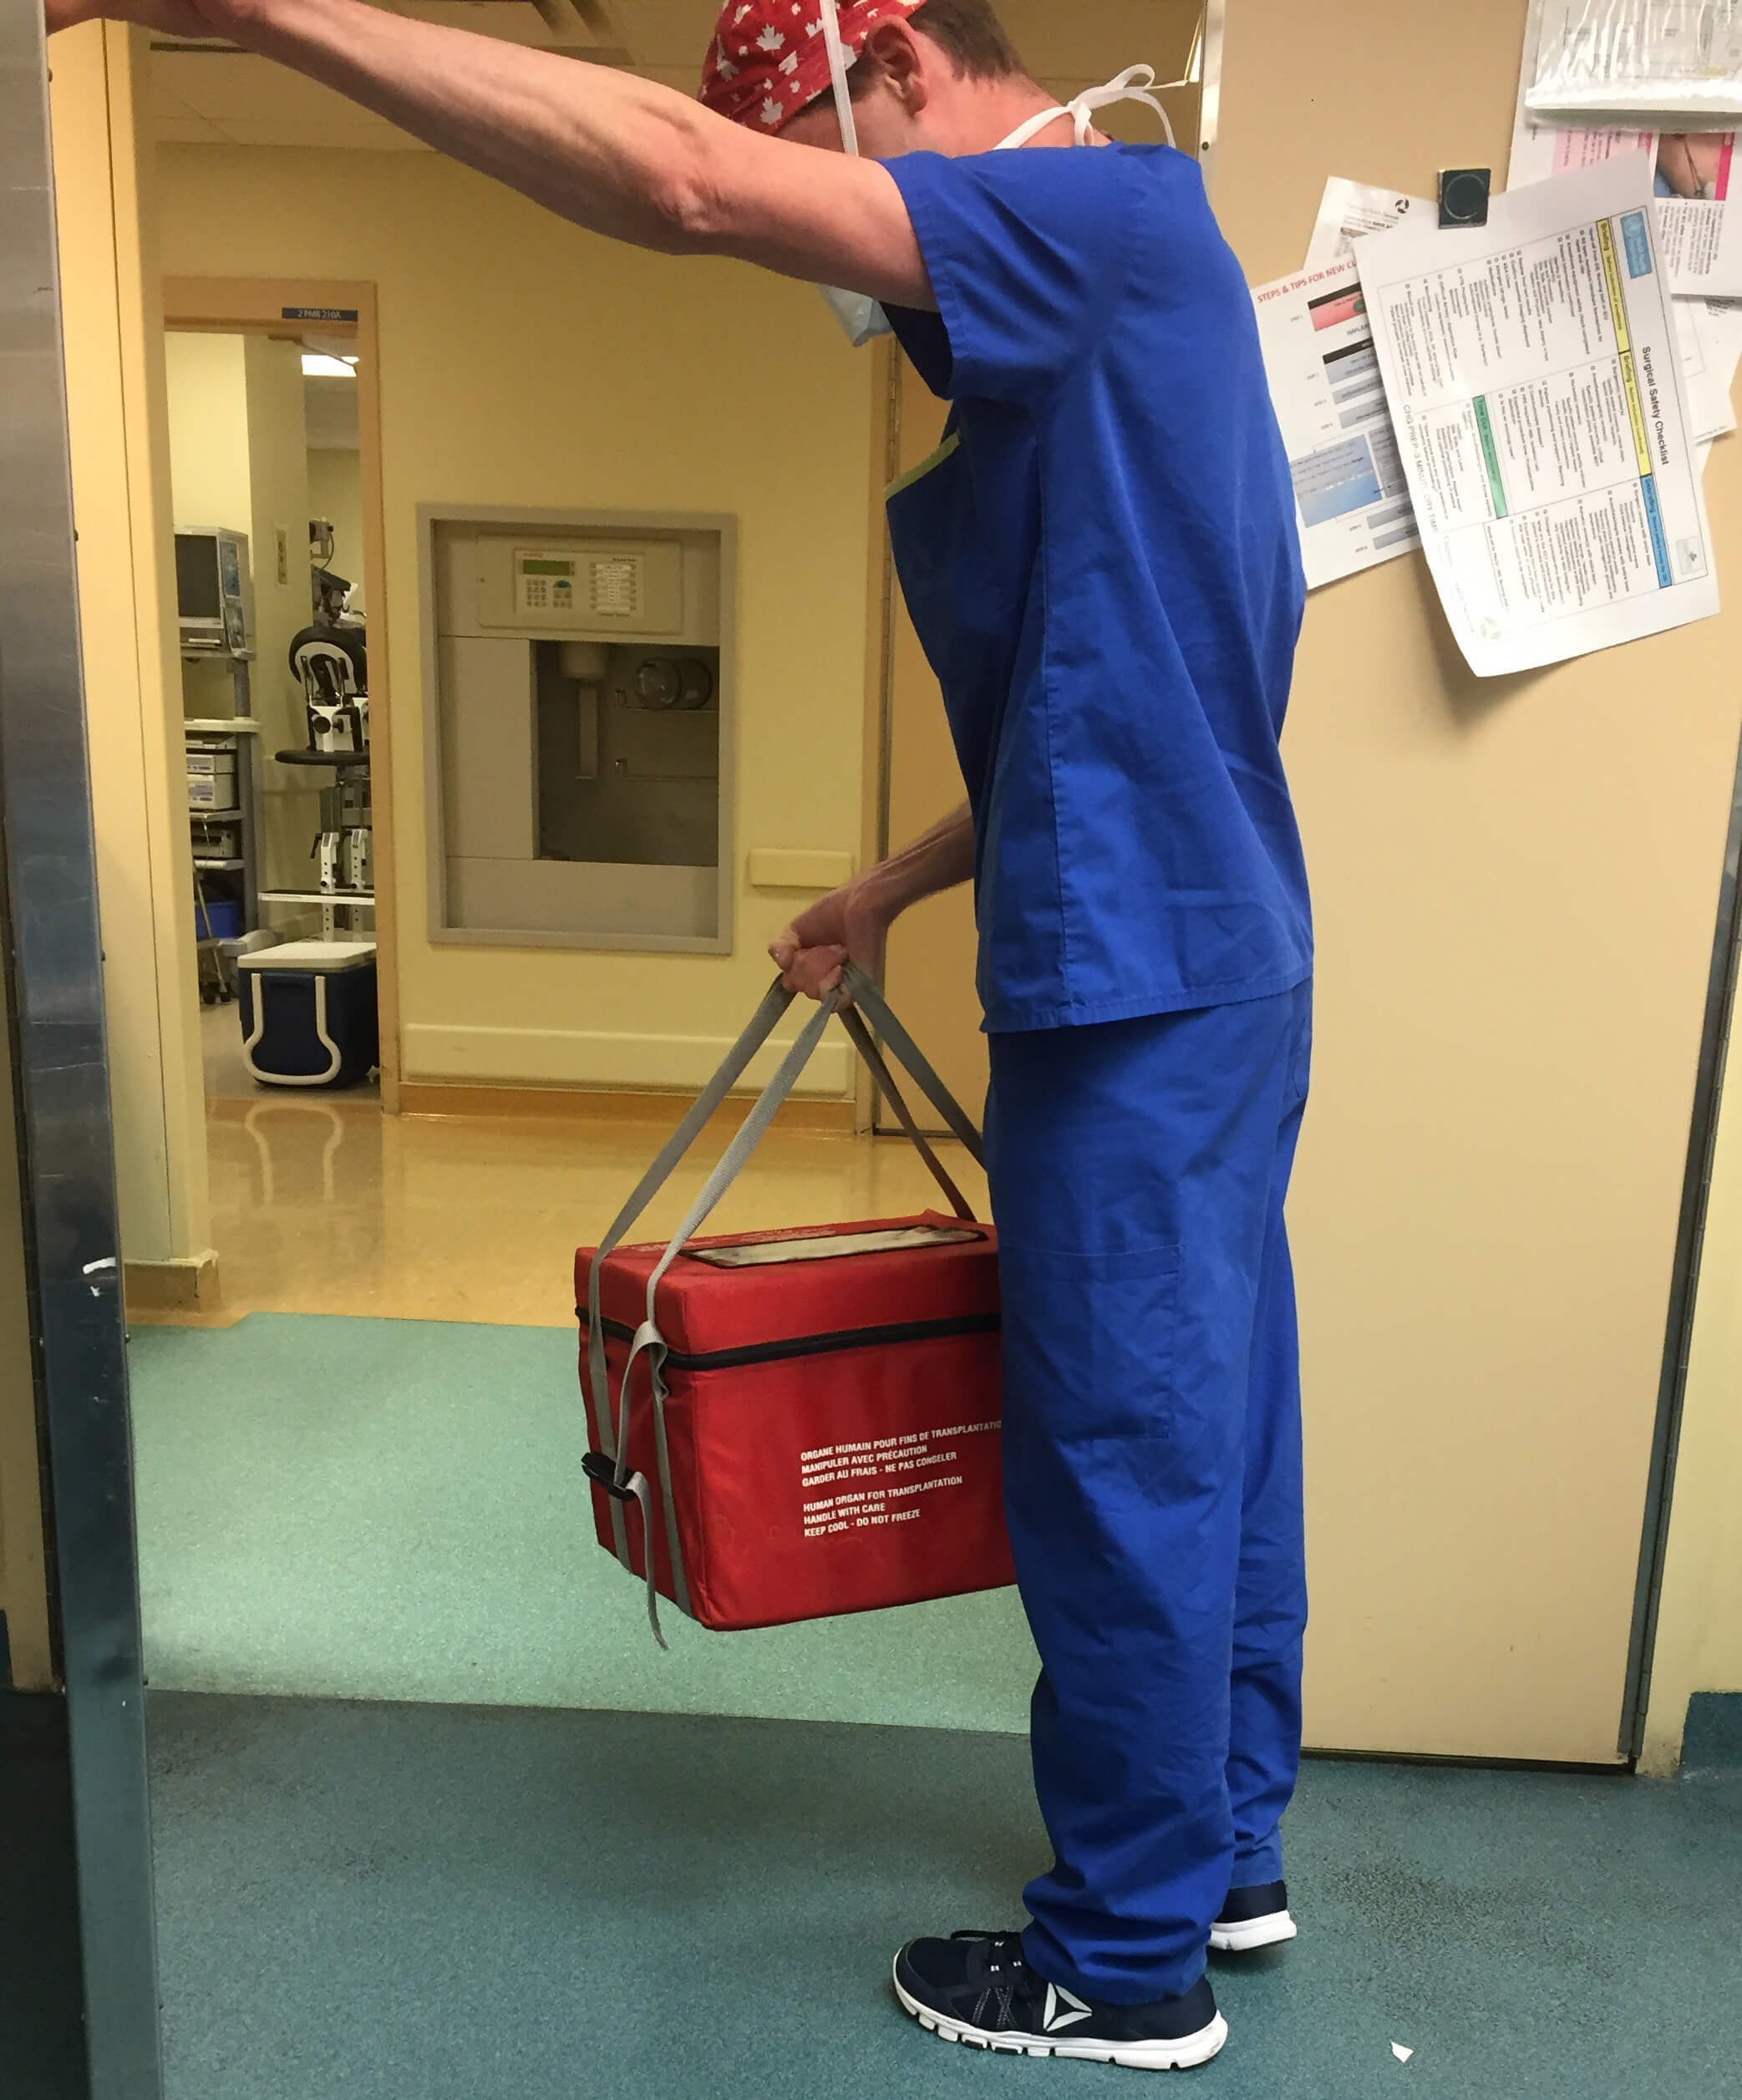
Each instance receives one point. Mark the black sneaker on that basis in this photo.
(978, 1988)
(1253, 1918)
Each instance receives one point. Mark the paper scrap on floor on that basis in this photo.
(1402, 2054)
(1535, 388)
(1348, 210)
(1351, 502)
(1696, 178)
(1618, 58)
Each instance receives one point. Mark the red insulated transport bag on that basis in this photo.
(805, 1423)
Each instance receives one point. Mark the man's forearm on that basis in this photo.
(616, 153)
(941, 859)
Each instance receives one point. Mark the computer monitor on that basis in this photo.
(212, 573)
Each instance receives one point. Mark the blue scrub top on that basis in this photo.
(1103, 566)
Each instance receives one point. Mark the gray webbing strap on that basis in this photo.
(865, 1044)
(865, 996)
(648, 1342)
(762, 1026)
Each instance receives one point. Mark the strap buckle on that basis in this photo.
(602, 1472)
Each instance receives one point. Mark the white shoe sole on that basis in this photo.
(1253, 1933)
(1136, 2056)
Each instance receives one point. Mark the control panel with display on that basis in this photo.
(545, 583)
(628, 586)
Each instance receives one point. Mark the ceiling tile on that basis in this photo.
(364, 134)
(204, 95)
(249, 101)
(182, 128)
(668, 34)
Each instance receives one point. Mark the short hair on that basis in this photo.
(969, 34)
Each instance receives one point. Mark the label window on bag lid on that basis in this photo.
(829, 1246)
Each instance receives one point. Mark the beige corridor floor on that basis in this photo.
(320, 1204)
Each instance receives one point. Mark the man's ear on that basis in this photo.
(904, 59)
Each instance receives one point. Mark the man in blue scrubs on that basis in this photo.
(1102, 564)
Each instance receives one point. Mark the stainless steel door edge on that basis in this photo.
(61, 1097)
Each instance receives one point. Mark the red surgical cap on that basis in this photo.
(769, 59)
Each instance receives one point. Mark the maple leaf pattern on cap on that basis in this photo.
(762, 77)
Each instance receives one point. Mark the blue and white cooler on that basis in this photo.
(308, 1012)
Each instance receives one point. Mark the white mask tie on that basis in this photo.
(1136, 84)
(862, 318)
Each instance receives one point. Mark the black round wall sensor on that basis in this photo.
(1464, 197)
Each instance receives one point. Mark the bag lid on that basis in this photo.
(704, 1308)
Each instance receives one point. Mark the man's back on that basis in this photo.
(1105, 571)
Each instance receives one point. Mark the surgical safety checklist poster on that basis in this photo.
(1349, 495)
(1535, 383)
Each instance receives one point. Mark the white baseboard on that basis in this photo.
(585, 1057)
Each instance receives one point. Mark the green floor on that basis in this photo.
(570, 1866)
(437, 1903)
(395, 1509)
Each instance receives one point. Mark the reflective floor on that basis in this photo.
(320, 1204)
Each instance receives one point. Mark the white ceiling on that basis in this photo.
(209, 95)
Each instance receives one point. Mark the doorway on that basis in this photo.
(270, 567)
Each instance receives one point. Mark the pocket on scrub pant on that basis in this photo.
(1090, 1345)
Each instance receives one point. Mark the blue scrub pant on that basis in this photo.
(1152, 1468)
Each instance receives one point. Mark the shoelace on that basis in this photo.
(1000, 1948)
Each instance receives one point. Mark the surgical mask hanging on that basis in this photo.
(861, 317)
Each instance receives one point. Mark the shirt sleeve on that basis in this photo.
(1026, 252)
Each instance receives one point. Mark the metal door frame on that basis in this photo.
(54, 965)
(1685, 1281)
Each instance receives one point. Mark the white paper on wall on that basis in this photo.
(1533, 379)
(1348, 211)
(1696, 179)
(1351, 502)
(1654, 60)
(1710, 332)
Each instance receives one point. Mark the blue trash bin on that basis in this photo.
(308, 1013)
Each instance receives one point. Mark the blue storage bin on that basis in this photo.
(217, 919)
(308, 1012)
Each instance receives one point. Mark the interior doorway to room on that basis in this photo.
(273, 600)
(275, 472)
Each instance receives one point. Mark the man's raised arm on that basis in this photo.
(617, 154)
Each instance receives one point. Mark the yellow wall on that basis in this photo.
(1699, 1622)
(120, 487)
(335, 490)
(1516, 881)
(524, 363)
(208, 404)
